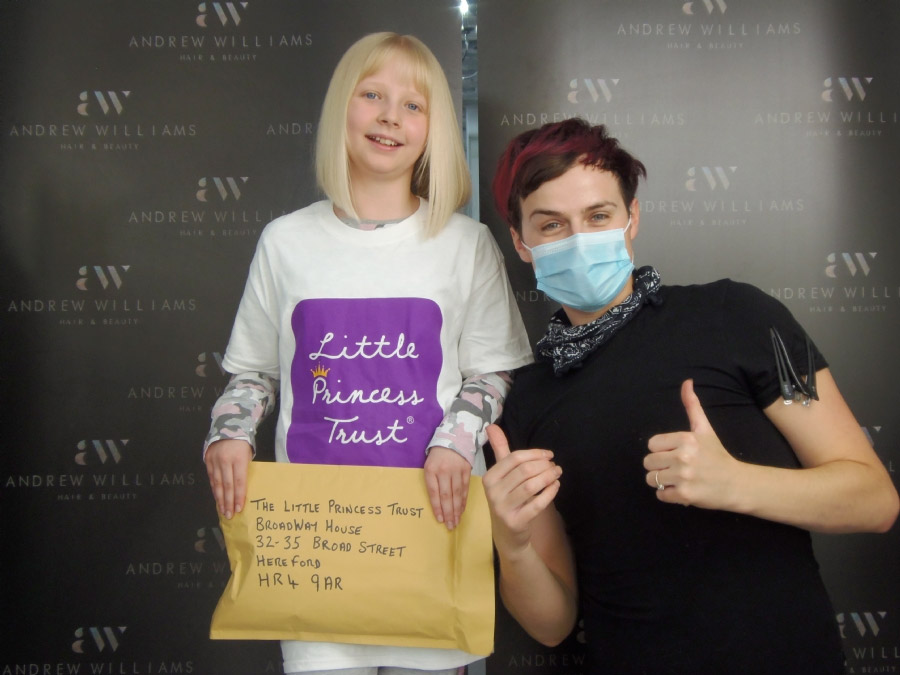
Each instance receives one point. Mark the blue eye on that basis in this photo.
(371, 95)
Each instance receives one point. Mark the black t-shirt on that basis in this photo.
(664, 588)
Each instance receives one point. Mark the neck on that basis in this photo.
(578, 317)
(383, 200)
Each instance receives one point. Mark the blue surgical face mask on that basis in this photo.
(585, 271)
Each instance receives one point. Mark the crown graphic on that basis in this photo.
(319, 371)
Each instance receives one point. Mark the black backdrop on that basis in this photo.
(145, 145)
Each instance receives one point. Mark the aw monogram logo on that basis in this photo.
(104, 638)
(225, 11)
(849, 87)
(865, 622)
(712, 177)
(596, 88)
(227, 188)
(100, 450)
(108, 101)
(206, 359)
(712, 6)
(852, 263)
(108, 276)
(207, 534)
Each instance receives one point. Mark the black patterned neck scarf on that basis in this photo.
(567, 346)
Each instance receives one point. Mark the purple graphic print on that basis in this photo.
(364, 380)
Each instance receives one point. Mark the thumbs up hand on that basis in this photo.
(519, 487)
(692, 467)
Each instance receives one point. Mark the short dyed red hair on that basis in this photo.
(536, 156)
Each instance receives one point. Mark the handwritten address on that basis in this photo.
(300, 535)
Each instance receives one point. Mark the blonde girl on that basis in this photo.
(383, 317)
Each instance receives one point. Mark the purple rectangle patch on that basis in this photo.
(364, 381)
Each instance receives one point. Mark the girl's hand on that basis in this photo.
(447, 479)
(226, 465)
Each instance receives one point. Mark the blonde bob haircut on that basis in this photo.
(440, 175)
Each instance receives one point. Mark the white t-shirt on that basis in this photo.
(371, 333)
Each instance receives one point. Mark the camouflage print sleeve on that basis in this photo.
(479, 403)
(245, 402)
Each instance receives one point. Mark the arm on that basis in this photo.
(230, 444)
(842, 487)
(457, 440)
(537, 574)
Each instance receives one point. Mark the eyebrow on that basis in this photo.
(559, 214)
(370, 81)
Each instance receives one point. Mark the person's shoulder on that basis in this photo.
(734, 302)
(720, 290)
(741, 294)
(293, 222)
(461, 224)
(462, 233)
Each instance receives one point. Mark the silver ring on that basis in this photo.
(659, 486)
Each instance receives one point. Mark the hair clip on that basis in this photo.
(792, 385)
(787, 391)
(811, 372)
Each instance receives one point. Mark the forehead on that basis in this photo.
(579, 187)
(399, 65)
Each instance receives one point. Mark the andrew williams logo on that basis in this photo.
(204, 360)
(597, 88)
(712, 177)
(849, 263)
(107, 101)
(864, 622)
(100, 639)
(846, 88)
(108, 276)
(225, 187)
(711, 6)
(225, 12)
(102, 451)
(205, 535)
